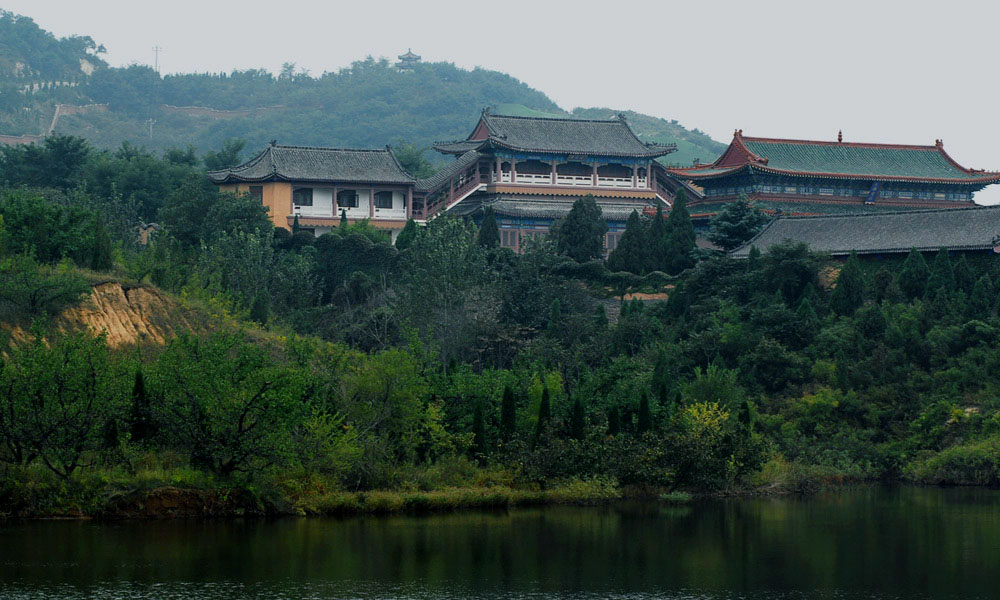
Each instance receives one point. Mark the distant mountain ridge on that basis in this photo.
(368, 104)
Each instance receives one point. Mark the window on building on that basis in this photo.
(613, 241)
(383, 199)
(302, 196)
(508, 238)
(257, 193)
(825, 191)
(347, 199)
(905, 194)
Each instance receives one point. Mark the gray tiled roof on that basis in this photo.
(532, 209)
(304, 163)
(447, 172)
(885, 233)
(607, 137)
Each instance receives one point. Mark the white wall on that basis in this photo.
(361, 212)
(322, 204)
(398, 210)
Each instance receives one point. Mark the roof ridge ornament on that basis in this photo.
(840, 136)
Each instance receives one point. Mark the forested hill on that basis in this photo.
(30, 54)
(368, 104)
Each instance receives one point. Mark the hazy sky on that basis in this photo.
(904, 72)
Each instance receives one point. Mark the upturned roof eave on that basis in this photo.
(988, 177)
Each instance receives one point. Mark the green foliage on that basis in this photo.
(228, 156)
(680, 236)
(849, 293)
(100, 257)
(413, 159)
(405, 238)
(542, 422)
(581, 234)
(913, 276)
(736, 224)
(942, 276)
(632, 252)
(28, 288)
(508, 415)
(489, 234)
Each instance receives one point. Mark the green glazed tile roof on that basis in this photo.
(305, 163)
(839, 160)
(605, 137)
(884, 233)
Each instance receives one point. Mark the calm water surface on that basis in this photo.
(866, 544)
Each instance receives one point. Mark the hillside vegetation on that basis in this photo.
(368, 104)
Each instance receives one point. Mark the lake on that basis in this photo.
(874, 543)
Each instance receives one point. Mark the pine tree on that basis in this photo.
(680, 236)
(577, 421)
(544, 414)
(141, 424)
(614, 421)
(100, 257)
(807, 314)
(478, 434)
(631, 252)
(656, 242)
(849, 294)
(736, 224)
(942, 275)
(295, 225)
(913, 276)
(489, 233)
(405, 238)
(508, 415)
(645, 415)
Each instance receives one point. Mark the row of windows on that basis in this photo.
(829, 191)
(345, 198)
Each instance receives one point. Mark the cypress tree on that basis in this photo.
(581, 234)
(942, 275)
(600, 318)
(405, 238)
(964, 279)
(737, 223)
(807, 314)
(913, 277)
(555, 316)
(141, 427)
(614, 421)
(680, 236)
(577, 420)
(631, 252)
(343, 220)
(544, 414)
(295, 225)
(260, 310)
(656, 242)
(508, 415)
(981, 300)
(489, 233)
(753, 259)
(645, 416)
(478, 434)
(885, 286)
(849, 293)
(100, 257)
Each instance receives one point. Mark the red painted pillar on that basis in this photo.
(635, 176)
(451, 193)
(336, 208)
(649, 175)
(513, 170)
(593, 175)
(498, 169)
(553, 172)
(371, 202)
(409, 202)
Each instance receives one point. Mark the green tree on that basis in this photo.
(736, 224)
(614, 421)
(980, 304)
(260, 310)
(142, 427)
(295, 225)
(941, 274)
(412, 159)
(656, 242)
(631, 253)
(405, 238)
(544, 415)
(227, 156)
(342, 226)
(489, 234)
(849, 293)
(964, 279)
(478, 434)
(508, 415)
(100, 257)
(555, 317)
(37, 289)
(577, 420)
(645, 422)
(913, 276)
(680, 236)
(581, 234)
